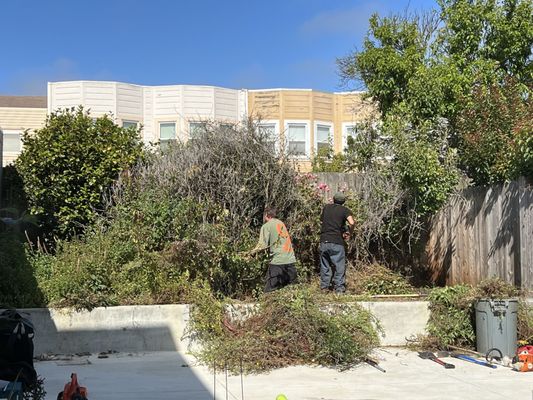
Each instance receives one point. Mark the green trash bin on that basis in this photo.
(496, 325)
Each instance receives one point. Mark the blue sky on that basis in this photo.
(232, 43)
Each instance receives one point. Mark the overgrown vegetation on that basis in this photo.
(18, 286)
(296, 325)
(376, 279)
(452, 314)
(186, 215)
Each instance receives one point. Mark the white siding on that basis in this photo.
(129, 101)
(19, 119)
(226, 104)
(167, 100)
(99, 98)
(148, 120)
(198, 102)
(151, 105)
(64, 95)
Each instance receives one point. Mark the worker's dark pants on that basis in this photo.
(279, 275)
(332, 256)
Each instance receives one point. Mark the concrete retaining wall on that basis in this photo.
(124, 329)
(161, 327)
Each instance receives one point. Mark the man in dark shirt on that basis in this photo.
(334, 218)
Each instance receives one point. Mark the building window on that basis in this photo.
(129, 124)
(322, 137)
(297, 139)
(196, 129)
(12, 142)
(351, 131)
(269, 134)
(167, 132)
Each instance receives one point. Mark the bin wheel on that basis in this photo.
(491, 355)
(60, 396)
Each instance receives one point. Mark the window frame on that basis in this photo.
(331, 135)
(277, 136)
(192, 122)
(159, 131)
(345, 127)
(132, 122)
(11, 132)
(306, 123)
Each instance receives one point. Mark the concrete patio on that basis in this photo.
(175, 375)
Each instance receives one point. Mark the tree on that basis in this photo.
(424, 65)
(68, 164)
(448, 66)
(496, 133)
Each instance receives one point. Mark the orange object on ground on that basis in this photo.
(525, 359)
(72, 390)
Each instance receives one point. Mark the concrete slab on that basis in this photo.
(174, 375)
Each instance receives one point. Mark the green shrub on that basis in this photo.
(68, 164)
(292, 326)
(18, 286)
(452, 313)
(451, 316)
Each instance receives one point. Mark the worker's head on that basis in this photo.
(270, 212)
(339, 198)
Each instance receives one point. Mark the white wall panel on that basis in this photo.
(167, 100)
(129, 100)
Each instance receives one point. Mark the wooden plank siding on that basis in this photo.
(484, 232)
(19, 119)
(311, 107)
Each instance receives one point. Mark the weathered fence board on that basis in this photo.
(482, 233)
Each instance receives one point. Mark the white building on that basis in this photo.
(165, 112)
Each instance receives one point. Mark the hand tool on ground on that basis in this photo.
(465, 358)
(374, 363)
(473, 360)
(427, 355)
(490, 356)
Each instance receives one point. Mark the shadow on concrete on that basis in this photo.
(118, 346)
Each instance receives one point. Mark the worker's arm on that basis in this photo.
(351, 225)
(261, 243)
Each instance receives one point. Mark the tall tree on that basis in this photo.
(424, 65)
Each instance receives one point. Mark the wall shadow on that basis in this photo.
(137, 371)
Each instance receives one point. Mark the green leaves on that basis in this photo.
(67, 164)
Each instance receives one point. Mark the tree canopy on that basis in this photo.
(467, 65)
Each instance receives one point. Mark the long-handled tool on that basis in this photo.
(427, 355)
(464, 357)
(472, 360)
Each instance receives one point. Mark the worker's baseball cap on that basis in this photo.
(339, 198)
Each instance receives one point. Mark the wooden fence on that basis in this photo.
(484, 232)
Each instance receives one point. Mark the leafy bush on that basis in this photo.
(68, 164)
(451, 316)
(292, 327)
(326, 160)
